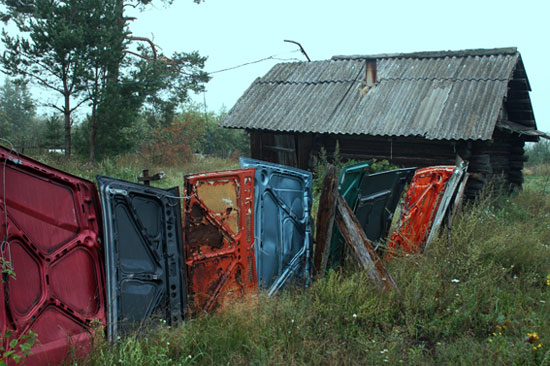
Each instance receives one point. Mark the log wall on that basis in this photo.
(499, 160)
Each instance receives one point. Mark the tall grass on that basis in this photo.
(130, 167)
(474, 298)
(477, 296)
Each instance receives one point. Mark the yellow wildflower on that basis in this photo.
(532, 337)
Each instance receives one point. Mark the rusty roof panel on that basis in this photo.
(441, 95)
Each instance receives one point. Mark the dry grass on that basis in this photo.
(469, 300)
(472, 299)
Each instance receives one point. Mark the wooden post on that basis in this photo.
(146, 179)
(325, 220)
(355, 237)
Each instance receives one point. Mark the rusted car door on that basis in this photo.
(418, 212)
(143, 250)
(50, 230)
(219, 237)
(283, 226)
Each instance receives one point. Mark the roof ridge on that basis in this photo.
(303, 82)
(442, 79)
(434, 54)
(286, 82)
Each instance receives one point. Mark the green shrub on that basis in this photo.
(538, 153)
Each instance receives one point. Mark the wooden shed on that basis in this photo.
(414, 109)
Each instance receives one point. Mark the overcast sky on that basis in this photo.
(234, 32)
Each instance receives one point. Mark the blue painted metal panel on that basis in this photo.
(143, 254)
(283, 225)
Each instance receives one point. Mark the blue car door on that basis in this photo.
(283, 226)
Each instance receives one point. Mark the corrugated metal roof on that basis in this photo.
(437, 95)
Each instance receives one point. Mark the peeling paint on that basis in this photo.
(218, 243)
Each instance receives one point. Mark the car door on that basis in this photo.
(219, 237)
(378, 197)
(143, 254)
(50, 230)
(283, 225)
(421, 203)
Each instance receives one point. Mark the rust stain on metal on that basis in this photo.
(421, 203)
(251, 278)
(248, 227)
(219, 245)
(205, 234)
(201, 231)
(371, 75)
(195, 214)
(371, 72)
(221, 198)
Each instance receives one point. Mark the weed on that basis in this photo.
(16, 349)
(477, 296)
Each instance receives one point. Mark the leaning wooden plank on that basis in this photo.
(452, 187)
(325, 220)
(459, 197)
(355, 237)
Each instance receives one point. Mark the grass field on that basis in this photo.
(478, 296)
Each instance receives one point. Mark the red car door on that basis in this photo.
(50, 225)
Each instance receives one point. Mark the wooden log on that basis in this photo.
(325, 220)
(256, 145)
(366, 255)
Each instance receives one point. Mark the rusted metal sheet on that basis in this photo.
(364, 251)
(219, 237)
(143, 254)
(283, 227)
(50, 230)
(421, 204)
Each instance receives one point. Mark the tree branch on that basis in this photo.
(144, 39)
(79, 104)
(140, 56)
(58, 108)
(40, 80)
